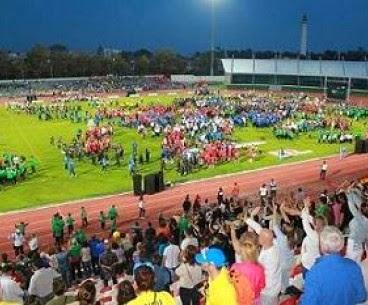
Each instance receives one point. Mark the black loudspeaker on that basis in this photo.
(360, 146)
(137, 184)
(150, 184)
(159, 181)
(365, 147)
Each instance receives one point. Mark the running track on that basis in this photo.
(288, 178)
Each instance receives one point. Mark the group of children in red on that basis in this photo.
(98, 139)
(174, 141)
(216, 152)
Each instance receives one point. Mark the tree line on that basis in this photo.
(57, 61)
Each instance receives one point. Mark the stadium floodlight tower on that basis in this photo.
(304, 36)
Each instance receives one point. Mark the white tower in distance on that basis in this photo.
(304, 36)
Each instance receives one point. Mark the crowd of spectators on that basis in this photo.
(107, 84)
(274, 248)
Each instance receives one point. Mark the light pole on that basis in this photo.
(212, 37)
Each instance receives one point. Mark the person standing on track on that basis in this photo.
(18, 240)
(142, 210)
(102, 220)
(263, 193)
(323, 171)
(70, 223)
(273, 190)
(235, 191)
(84, 218)
(112, 214)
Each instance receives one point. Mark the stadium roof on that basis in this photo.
(329, 68)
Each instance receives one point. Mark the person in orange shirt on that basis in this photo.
(235, 192)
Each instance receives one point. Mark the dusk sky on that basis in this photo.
(183, 25)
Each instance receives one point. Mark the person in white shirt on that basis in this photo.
(33, 243)
(171, 257)
(190, 275)
(358, 226)
(18, 240)
(41, 283)
(263, 193)
(86, 260)
(269, 258)
(189, 240)
(283, 244)
(273, 189)
(323, 171)
(310, 245)
(10, 290)
(142, 210)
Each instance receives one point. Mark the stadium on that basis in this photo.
(297, 73)
(153, 177)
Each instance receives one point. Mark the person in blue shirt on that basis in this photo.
(97, 248)
(333, 279)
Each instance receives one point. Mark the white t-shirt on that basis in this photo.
(310, 245)
(189, 275)
(86, 254)
(41, 282)
(263, 191)
(270, 260)
(10, 290)
(171, 253)
(33, 244)
(324, 167)
(18, 239)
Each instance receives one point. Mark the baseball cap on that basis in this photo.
(212, 256)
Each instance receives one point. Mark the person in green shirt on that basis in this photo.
(80, 237)
(183, 225)
(102, 220)
(70, 223)
(22, 227)
(112, 214)
(75, 260)
(321, 210)
(62, 226)
(57, 226)
(32, 163)
(113, 226)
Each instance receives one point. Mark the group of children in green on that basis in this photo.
(59, 223)
(14, 168)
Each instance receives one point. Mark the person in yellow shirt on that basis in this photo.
(220, 288)
(144, 281)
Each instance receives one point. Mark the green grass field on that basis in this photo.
(26, 135)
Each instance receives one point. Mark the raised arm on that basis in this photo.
(307, 219)
(255, 226)
(276, 224)
(235, 240)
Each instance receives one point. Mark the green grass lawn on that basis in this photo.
(26, 135)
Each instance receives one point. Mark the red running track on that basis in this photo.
(169, 202)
